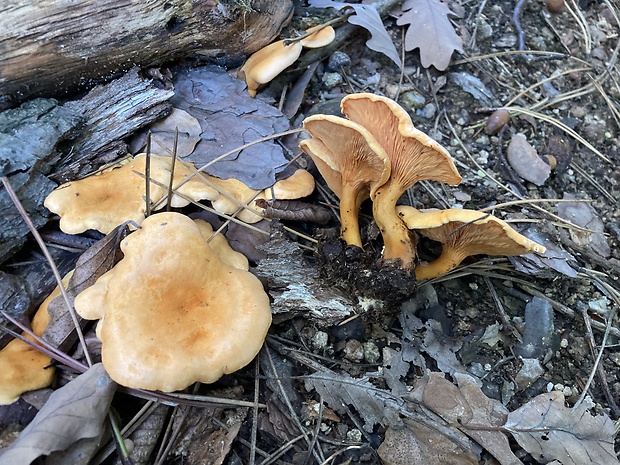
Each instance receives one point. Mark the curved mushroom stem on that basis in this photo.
(399, 244)
(447, 261)
(349, 208)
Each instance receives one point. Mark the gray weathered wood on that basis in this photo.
(48, 48)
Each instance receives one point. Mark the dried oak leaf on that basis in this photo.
(368, 17)
(376, 406)
(73, 412)
(430, 30)
(548, 430)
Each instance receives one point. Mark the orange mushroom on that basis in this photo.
(413, 156)
(352, 163)
(463, 233)
(22, 367)
(265, 64)
(172, 313)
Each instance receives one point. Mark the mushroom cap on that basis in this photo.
(23, 368)
(414, 156)
(220, 246)
(345, 153)
(105, 200)
(265, 64)
(171, 312)
(297, 185)
(322, 37)
(464, 233)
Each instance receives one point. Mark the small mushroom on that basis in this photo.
(413, 156)
(352, 163)
(23, 368)
(171, 312)
(322, 37)
(297, 185)
(268, 62)
(463, 233)
(265, 64)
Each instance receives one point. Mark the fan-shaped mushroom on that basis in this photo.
(352, 163)
(413, 156)
(463, 233)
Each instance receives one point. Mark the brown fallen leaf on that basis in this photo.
(418, 444)
(466, 407)
(548, 430)
(73, 412)
(430, 30)
(93, 263)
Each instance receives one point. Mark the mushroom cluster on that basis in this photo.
(376, 152)
(116, 195)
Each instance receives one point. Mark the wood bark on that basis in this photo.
(51, 48)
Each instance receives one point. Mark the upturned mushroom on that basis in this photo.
(264, 65)
(463, 233)
(414, 157)
(171, 313)
(352, 163)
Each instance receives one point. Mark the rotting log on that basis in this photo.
(51, 48)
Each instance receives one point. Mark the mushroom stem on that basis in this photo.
(397, 239)
(349, 208)
(443, 264)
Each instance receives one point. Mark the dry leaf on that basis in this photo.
(441, 348)
(368, 17)
(417, 444)
(73, 412)
(548, 430)
(229, 118)
(94, 262)
(376, 406)
(430, 30)
(583, 214)
(468, 409)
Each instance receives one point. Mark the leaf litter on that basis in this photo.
(596, 436)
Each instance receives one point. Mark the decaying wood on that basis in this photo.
(294, 285)
(49, 48)
(42, 137)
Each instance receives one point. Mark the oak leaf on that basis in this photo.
(430, 30)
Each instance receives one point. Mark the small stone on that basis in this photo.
(354, 435)
(319, 340)
(338, 60)
(531, 370)
(353, 350)
(331, 80)
(564, 343)
(371, 352)
(428, 111)
(412, 100)
(538, 335)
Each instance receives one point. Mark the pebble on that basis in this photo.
(331, 80)
(538, 334)
(428, 111)
(531, 370)
(371, 352)
(353, 350)
(319, 340)
(354, 435)
(412, 100)
(338, 60)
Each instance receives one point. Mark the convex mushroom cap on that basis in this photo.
(413, 155)
(171, 312)
(352, 163)
(23, 368)
(463, 233)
